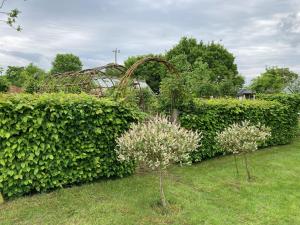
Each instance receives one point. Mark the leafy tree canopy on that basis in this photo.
(210, 66)
(34, 76)
(66, 63)
(13, 74)
(21, 76)
(4, 84)
(273, 80)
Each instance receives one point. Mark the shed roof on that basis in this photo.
(245, 92)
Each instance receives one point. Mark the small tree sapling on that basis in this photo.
(241, 139)
(157, 143)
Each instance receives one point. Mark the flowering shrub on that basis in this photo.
(243, 138)
(157, 143)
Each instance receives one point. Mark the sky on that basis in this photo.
(259, 33)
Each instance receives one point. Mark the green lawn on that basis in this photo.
(205, 193)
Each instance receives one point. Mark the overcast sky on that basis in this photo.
(259, 33)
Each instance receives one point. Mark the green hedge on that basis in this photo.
(53, 140)
(291, 100)
(211, 116)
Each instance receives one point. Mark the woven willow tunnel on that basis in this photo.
(92, 81)
(98, 80)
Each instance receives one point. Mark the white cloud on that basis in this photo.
(160, 4)
(259, 33)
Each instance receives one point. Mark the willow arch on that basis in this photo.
(92, 81)
(130, 71)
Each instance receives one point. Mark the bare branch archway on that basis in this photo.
(130, 71)
(92, 81)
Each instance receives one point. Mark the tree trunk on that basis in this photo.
(246, 165)
(1, 199)
(174, 115)
(236, 166)
(162, 194)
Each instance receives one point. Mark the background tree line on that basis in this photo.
(206, 69)
(30, 76)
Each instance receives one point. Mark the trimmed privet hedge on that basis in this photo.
(291, 100)
(211, 116)
(52, 140)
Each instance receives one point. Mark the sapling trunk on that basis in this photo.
(174, 115)
(236, 165)
(246, 165)
(1, 199)
(162, 194)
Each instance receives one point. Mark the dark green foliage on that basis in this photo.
(273, 80)
(15, 76)
(211, 116)
(28, 77)
(66, 63)
(189, 47)
(212, 64)
(173, 92)
(4, 84)
(34, 77)
(291, 100)
(143, 99)
(53, 140)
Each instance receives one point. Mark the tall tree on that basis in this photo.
(34, 76)
(15, 76)
(219, 76)
(24, 76)
(4, 84)
(66, 63)
(189, 47)
(199, 80)
(273, 80)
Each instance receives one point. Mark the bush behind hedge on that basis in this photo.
(291, 100)
(53, 140)
(211, 116)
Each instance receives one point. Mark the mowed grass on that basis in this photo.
(204, 193)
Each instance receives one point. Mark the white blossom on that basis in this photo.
(157, 143)
(243, 138)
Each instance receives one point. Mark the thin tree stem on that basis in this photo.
(162, 194)
(174, 115)
(1, 199)
(236, 165)
(246, 165)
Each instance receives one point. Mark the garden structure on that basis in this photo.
(92, 81)
(103, 81)
(53, 140)
(96, 80)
